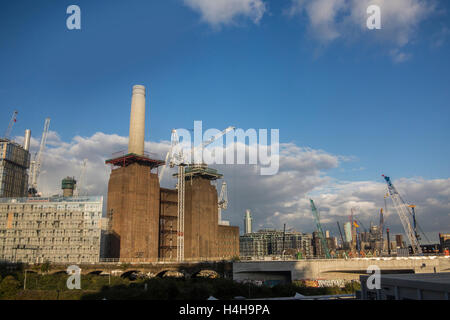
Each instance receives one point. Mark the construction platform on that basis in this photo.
(200, 170)
(124, 160)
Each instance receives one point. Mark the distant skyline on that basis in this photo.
(350, 103)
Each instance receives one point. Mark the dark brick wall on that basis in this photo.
(133, 200)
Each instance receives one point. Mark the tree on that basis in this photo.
(9, 287)
(45, 267)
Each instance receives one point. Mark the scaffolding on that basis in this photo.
(180, 218)
(14, 162)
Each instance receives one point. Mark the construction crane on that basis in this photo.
(416, 234)
(381, 225)
(207, 143)
(175, 154)
(81, 180)
(404, 211)
(416, 225)
(340, 232)
(11, 124)
(176, 157)
(223, 200)
(360, 222)
(319, 229)
(35, 166)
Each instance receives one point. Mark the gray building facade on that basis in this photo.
(269, 242)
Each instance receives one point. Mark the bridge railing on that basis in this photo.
(146, 260)
(274, 259)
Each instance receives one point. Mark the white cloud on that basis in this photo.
(225, 12)
(273, 200)
(333, 19)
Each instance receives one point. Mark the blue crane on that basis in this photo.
(320, 231)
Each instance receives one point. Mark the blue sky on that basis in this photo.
(351, 99)
(348, 96)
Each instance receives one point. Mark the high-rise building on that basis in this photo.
(399, 241)
(444, 239)
(248, 222)
(268, 242)
(56, 229)
(14, 163)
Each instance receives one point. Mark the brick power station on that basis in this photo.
(143, 216)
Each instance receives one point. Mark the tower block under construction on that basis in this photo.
(134, 194)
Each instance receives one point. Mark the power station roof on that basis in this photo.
(131, 158)
(201, 171)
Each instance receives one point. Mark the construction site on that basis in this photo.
(147, 223)
(150, 223)
(354, 240)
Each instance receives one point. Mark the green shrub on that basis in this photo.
(45, 267)
(9, 287)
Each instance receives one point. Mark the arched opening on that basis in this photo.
(96, 272)
(131, 274)
(206, 274)
(170, 274)
(59, 272)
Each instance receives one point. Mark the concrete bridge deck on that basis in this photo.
(334, 269)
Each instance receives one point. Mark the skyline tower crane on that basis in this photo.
(176, 157)
(404, 212)
(11, 124)
(319, 229)
(223, 202)
(35, 166)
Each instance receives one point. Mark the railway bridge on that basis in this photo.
(221, 269)
(280, 270)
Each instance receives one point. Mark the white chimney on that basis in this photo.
(137, 121)
(26, 140)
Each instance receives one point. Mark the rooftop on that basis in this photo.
(124, 160)
(201, 170)
(51, 199)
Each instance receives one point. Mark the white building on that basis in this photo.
(55, 229)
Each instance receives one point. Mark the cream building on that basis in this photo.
(56, 229)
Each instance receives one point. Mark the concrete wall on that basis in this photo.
(143, 219)
(133, 200)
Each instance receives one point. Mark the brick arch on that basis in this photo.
(204, 272)
(165, 273)
(128, 273)
(58, 272)
(95, 272)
